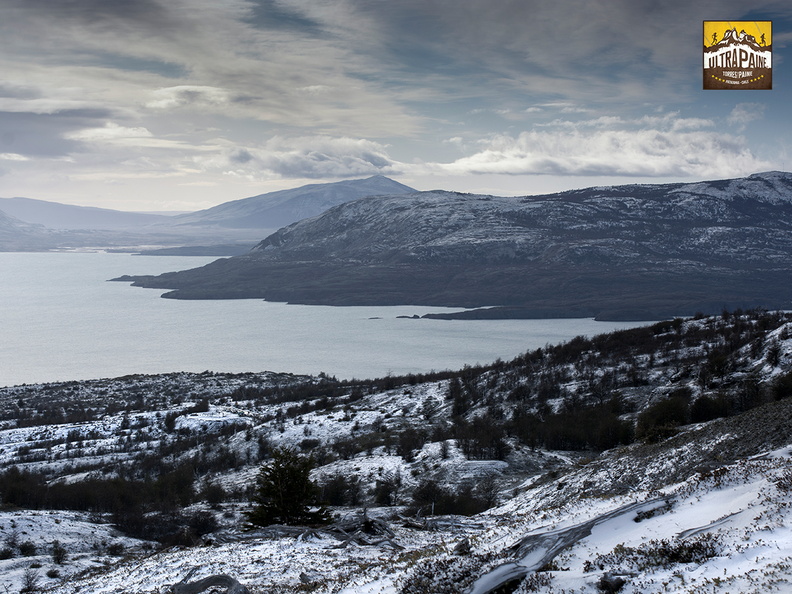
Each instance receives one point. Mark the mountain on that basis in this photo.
(634, 251)
(67, 216)
(276, 209)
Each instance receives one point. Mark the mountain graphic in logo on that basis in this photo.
(738, 55)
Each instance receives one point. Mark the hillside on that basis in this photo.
(631, 456)
(14, 232)
(625, 252)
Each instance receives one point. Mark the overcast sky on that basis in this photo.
(184, 104)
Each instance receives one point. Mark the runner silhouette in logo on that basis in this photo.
(763, 39)
(714, 38)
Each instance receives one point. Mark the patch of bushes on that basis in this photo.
(661, 419)
(341, 489)
(658, 553)
(27, 549)
(58, 552)
(430, 498)
(446, 575)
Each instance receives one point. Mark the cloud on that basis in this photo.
(108, 133)
(745, 113)
(649, 147)
(13, 157)
(187, 95)
(305, 157)
(45, 134)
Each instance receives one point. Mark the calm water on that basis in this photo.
(61, 320)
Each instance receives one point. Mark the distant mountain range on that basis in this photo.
(626, 252)
(277, 209)
(67, 216)
(228, 229)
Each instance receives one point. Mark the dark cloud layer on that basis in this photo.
(143, 13)
(45, 135)
(206, 93)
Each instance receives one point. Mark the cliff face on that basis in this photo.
(653, 250)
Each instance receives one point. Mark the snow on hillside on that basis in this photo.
(723, 531)
(699, 507)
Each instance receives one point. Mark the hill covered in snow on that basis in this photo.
(624, 252)
(655, 459)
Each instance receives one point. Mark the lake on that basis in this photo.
(61, 320)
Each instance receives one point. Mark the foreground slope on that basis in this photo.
(640, 252)
(701, 502)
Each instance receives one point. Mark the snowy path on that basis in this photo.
(536, 550)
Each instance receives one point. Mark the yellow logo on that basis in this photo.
(738, 55)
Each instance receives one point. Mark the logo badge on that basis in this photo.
(738, 55)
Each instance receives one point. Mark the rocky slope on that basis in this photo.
(639, 251)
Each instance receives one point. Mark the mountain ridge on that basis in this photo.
(636, 251)
(229, 228)
(276, 209)
(56, 215)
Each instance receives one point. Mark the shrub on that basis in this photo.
(116, 549)
(431, 498)
(213, 494)
(706, 408)
(784, 481)
(202, 522)
(30, 582)
(661, 419)
(341, 489)
(58, 552)
(782, 387)
(27, 549)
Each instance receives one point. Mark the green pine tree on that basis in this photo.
(285, 493)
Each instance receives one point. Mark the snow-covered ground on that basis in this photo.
(704, 510)
(726, 531)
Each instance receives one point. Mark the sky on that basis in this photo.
(184, 104)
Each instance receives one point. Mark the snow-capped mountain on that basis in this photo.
(644, 251)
